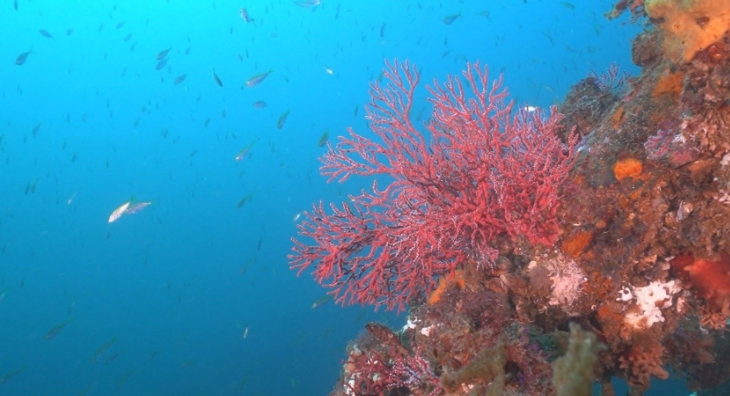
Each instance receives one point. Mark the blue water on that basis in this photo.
(86, 123)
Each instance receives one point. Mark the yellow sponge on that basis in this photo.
(689, 25)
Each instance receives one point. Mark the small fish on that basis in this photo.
(120, 25)
(217, 79)
(45, 33)
(329, 71)
(127, 37)
(259, 104)
(258, 79)
(112, 358)
(282, 120)
(161, 64)
(20, 60)
(245, 333)
(180, 79)
(152, 355)
(7, 377)
(244, 200)
(484, 13)
(15, 5)
(102, 349)
(567, 5)
(244, 15)
(163, 54)
(134, 208)
(296, 217)
(71, 200)
(69, 31)
(242, 154)
(118, 212)
(123, 379)
(307, 3)
(56, 329)
(323, 138)
(449, 19)
(324, 300)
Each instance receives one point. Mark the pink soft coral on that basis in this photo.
(484, 172)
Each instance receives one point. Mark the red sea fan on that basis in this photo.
(483, 172)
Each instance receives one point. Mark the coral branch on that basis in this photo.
(483, 172)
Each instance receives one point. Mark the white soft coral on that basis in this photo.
(649, 302)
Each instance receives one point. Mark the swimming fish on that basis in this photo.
(56, 329)
(449, 19)
(20, 60)
(242, 154)
(7, 377)
(244, 200)
(217, 79)
(324, 300)
(323, 138)
(161, 64)
(102, 349)
(118, 212)
(45, 33)
(258, 79)
(134, 208)
(180, 79)
(245, 16)
(259, 104)
(282, 120)
(162, 54)
(307, 3)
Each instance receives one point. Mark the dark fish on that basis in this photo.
(180, 79)
(282, 120)
(162, 54)
(7, 377)
(244, 200)
(120, 25)
(259, 104)
(22, 58)
(69, 31)
(217, 80)
(56, 329)
(449, 19)
(127, 37)
(45, 33)
(161, 64)
(323, 139)
(258, 79)
(187, 51)
(112, 358)
(382, 29)
(100, 352)
(100, 28)
(15, 5)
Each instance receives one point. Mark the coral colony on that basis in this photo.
(542, 250)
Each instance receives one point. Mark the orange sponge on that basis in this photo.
(689, 26)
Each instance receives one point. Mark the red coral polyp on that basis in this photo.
(479, 170)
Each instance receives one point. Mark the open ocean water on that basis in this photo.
(207, 122)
